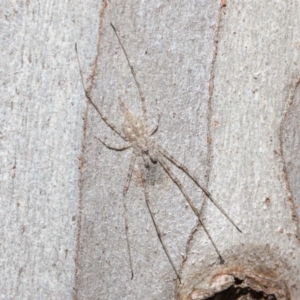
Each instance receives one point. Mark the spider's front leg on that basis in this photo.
(101, 114)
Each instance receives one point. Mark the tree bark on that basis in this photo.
(223, 76)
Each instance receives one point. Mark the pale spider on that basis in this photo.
(145, 150)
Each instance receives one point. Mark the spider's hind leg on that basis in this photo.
(129, 173)
(158, 232)
(125, 189)
(190, 202)
(180, 166)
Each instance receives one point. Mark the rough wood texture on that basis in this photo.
(229, 112)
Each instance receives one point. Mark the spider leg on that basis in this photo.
(115, 148)
(196, 212)
(158, 232)
(142, 97)
(127, 235)
(188, 173)
(157, 122)
(129, 174)
(87, 94)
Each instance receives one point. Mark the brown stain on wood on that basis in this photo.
(81, 158)
(289, 151)
(100, 26)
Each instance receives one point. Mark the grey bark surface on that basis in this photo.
(255, 149)
(226, 82)
(40, 143)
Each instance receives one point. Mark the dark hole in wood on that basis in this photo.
(236, 292)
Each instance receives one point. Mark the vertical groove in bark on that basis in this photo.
(222, 7)
(290, 149)
(81, 161)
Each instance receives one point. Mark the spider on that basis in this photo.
(146, 150)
